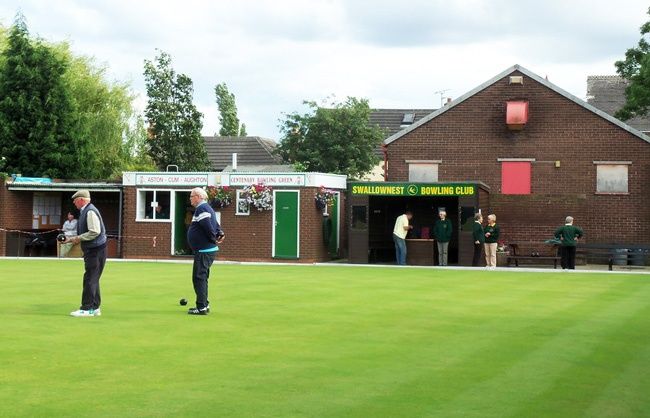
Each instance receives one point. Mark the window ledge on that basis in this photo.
(613, 193)
(154, 220)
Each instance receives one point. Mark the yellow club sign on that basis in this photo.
(413, 189)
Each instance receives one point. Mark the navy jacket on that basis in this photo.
(204, 229)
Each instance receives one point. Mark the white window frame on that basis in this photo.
(600, 176)
(432, 164)
(46, 210)
(141, 206)
(239, 199)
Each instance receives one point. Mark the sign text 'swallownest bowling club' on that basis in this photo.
(412, 189)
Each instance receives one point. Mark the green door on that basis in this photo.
(285, 221)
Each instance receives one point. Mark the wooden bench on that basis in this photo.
(614, 255)
(516, 255)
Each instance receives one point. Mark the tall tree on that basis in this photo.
(105, 117)
(174, 122)
(335, 139)
(134, 154)
(36, 109)
(103, 122)
(635, 68)
(228, 112)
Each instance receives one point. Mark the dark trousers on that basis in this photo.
(200, 276)
(478, 255)
(94, 260)
(568, 257)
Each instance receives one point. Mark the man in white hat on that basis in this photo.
(91, 233)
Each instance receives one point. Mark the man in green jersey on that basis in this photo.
(568, 234)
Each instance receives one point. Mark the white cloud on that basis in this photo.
(274, 54)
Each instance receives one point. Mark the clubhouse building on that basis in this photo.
(517, 146)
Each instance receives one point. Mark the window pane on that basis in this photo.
(148, 198)
(611, 178)
(515, 177)
(242, 207)
(161, 201)
(423, 172)
(162, 209)
(360, 217)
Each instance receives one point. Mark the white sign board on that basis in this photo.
(171, 179)
(267, 179)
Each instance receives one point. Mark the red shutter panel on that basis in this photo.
(516, 115)
(515, 177)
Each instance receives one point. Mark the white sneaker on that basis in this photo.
(96, 312)
(81, 312)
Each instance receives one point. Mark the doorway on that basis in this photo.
(383, 211)
(286, 229)
(183, 212)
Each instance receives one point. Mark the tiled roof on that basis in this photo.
(251, 150)
(607, 93)
(391, 120)
(270, 168)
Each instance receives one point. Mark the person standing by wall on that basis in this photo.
(399, 236)
(479, 239)
(442, 231)
(91, 233)
(161, 213)
(203, 236)
(569, 235)
(492, 232)
(69, 229)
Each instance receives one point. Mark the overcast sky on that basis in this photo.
(398, 54)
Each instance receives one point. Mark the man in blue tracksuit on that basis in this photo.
(203, 236)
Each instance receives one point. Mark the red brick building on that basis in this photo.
(293, 230)
(36, 208)
(558, 156)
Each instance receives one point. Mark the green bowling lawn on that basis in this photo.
(324, 341)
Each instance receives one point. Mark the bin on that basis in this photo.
(619, 256)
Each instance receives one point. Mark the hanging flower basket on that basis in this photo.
(259, 196)
(324, 198)
(219, 196)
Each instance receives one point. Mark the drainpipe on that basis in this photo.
(384, 149)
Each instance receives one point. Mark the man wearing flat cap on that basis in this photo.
(91, 233)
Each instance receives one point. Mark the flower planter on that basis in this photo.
(219, 197)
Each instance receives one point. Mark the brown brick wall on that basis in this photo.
(15, 212)
(470, 137)
(248, 238)
(16, 208)
(143, 239)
